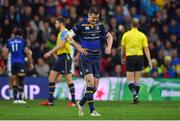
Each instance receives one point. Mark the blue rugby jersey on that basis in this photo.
(91, 36)
(16, 47)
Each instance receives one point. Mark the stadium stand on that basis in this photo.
(159, 19)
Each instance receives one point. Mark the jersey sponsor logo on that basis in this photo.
(22, 70)
(87, 28)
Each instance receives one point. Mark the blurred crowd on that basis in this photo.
(159, 20)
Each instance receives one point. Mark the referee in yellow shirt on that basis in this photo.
(132, 45)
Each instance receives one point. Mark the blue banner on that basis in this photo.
(34, 88)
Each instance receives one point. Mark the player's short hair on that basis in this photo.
(135, 22)
(60, 19)
(19, 32)
(94, 10)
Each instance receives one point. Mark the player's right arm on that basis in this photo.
(29, 56)
(146, 51)
(77, 46)
(69, 38)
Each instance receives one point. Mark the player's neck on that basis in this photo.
(62, 28)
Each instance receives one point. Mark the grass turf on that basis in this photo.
(110, 110)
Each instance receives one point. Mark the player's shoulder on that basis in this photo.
(141, 33)
(63, 32)
(83, 21)
(127, 33)
(100, 23)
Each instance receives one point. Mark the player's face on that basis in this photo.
(57, 25)
(93, 18)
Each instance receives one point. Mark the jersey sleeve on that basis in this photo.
(104, 30)
(123, 41)
(63, 36)
(145, 42)
(76, 29)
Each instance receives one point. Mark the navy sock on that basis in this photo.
(15, 90)
(132, 88)
(51, 91)
(72, 91)
(21, 86)
(89, 95)
(137, 87)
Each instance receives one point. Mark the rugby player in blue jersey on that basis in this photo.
(91, 33)
(17, 47)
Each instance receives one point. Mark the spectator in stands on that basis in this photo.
(155, 71)
(158, 18)
(167, 69)
(117, 71)
(42, 68)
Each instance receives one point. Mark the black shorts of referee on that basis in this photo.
(134, 63)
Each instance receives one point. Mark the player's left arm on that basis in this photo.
(55, 49)
(109, 43)
(58, 46)
(123, 49)
(28, 53)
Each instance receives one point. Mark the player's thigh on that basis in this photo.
(137, 76)
(59, 78)
(18, 69)
(62, 65)
(14, 80)
(52, 76)
(89, 79)
(96, 68)
(69, 78)
(130, 76)
(85, 67)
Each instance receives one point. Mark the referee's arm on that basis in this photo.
(146, 51)
(123, 49)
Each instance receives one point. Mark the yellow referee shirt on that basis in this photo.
(134, 41)
(66, 48)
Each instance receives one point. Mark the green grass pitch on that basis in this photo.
(110, 110)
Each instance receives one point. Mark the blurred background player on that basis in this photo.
(132, 45)
(17, 47)
(62, 64)
(7, 58)
(91, 33)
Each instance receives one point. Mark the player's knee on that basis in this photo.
(90, 83)
(69, 81)
(51, 79)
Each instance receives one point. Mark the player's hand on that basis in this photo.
(108, 50)
(67, 36)
(150, 65)
(83, 51)
(31, 67)
(47, 55)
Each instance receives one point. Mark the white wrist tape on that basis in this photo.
(71, 33)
